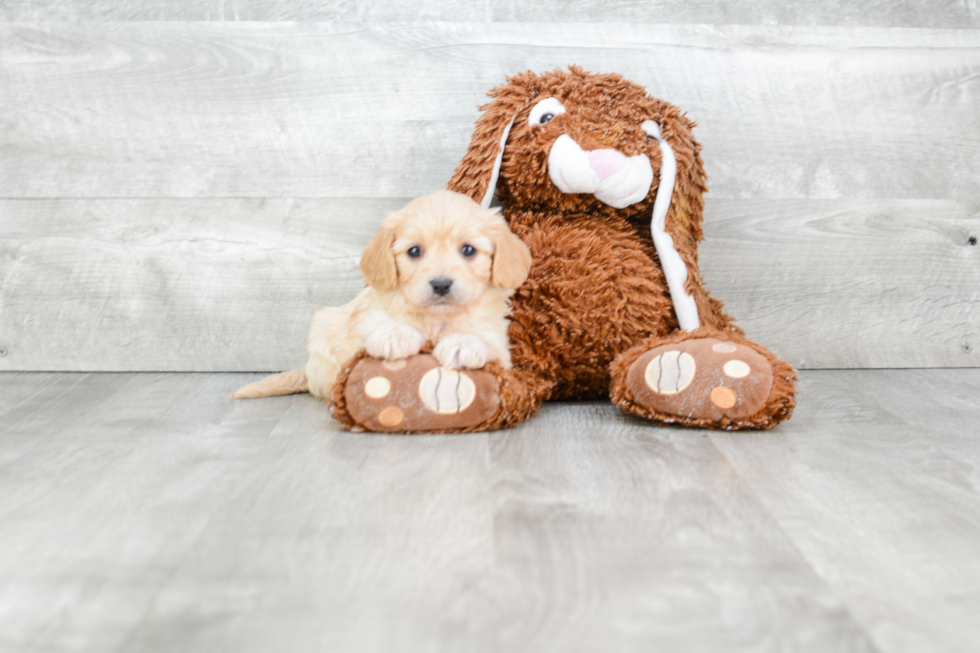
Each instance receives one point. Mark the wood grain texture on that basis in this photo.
(877, 485)
(614, 535)
(393, 532)
(877, 13)
(174, 284)
(95, 482)
(337, 109)
(146, 512)
(212, 285)
(842, 284)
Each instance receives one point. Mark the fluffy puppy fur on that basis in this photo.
(442, 270)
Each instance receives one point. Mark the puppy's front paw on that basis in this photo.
(461, 351)
(394, 340)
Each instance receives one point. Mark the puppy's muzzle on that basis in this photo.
(441, 286)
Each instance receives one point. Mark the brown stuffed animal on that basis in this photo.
(605, 184)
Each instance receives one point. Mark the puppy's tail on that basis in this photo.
(284, 383)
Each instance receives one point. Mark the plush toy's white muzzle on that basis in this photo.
(614, 178)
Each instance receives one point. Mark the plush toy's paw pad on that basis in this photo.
(702, 378)
(417, 394)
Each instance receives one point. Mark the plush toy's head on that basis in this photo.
(577, 141)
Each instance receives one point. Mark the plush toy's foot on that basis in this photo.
(716, 382)
(415, 394)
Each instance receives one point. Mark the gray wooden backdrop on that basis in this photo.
(183, 184)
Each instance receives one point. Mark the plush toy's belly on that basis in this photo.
(595, 289)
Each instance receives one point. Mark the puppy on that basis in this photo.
(442, 269)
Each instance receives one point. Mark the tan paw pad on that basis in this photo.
(377, 387)
(736, 369)
(723, 397)
(670, 372)
(446, 391)
(391, 416)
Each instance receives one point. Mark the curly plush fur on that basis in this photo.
(597, 297)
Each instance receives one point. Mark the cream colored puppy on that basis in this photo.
(442, 269)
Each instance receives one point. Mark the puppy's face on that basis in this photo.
(443, 261)
(443, 251)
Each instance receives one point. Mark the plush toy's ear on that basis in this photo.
(476, 175)
(511, 258)
(674, 267)
(378, 262)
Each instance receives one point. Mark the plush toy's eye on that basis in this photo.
(653, 131)
(545, 111)
(468, 251)
(414, 252)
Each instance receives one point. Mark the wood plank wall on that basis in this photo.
(183, 184)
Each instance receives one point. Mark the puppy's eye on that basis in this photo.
(651, 138)
(414, 252)
(468, 251)
(546, 118)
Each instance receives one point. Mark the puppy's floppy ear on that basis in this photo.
(378, 262)
(476, 175)
(511, 258)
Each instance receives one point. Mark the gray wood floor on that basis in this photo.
(146, 512)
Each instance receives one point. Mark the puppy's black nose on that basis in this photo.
(441, 286)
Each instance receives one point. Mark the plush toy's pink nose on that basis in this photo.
(606, 162)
